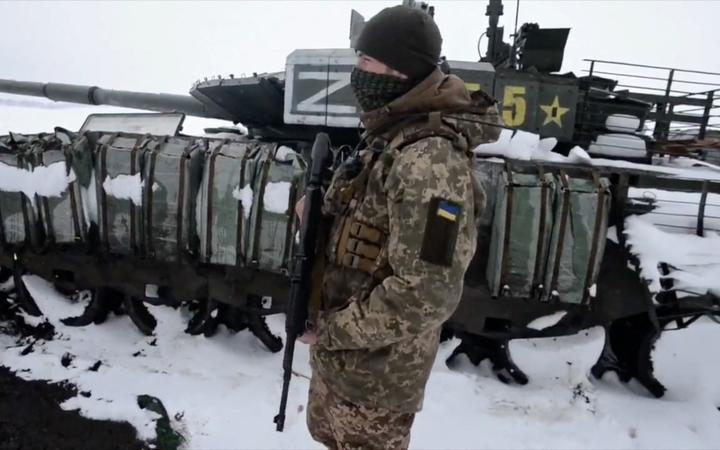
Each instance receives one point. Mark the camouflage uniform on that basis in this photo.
(402, 237)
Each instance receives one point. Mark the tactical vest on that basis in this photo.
(357, 246)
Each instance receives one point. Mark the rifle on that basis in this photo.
(301, 280)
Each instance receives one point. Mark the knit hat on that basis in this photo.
(403, 38)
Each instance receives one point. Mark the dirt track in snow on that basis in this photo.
(31, 419)
(30, 414)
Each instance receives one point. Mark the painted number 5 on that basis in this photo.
(514, 106)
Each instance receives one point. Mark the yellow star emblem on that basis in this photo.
(554, 112)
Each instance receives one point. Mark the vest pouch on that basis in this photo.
(520, 234)
(221, 213)
(18, 226)
(119, 163)
(578, 238)
(62, 218)
(277, 179)
(171, 174)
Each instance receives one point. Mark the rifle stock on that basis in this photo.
(301, 277)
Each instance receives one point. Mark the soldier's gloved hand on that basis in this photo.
(309, 337)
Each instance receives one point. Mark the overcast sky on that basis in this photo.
(166, 46)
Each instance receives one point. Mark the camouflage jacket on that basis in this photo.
(403, 234)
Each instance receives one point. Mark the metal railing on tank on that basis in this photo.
(678, 103)
(677, 205)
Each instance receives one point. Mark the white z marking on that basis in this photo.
(310, 104)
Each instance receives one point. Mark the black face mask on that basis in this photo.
(373, 90)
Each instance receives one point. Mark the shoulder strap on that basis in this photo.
(436, 127)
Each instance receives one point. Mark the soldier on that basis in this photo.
(402, 235)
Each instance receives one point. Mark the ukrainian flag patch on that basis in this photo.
(441, 232)
(448, 211)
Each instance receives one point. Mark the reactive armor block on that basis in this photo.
(245, 203)
(119, 160)
(578, 238)
(277, 177)
(221, 215)
(172, 173)
(62, 219)
(17, 216)
(520, 234)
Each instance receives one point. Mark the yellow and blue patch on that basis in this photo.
(441, 232)
(448, 211)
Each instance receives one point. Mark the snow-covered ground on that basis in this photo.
(222, 392)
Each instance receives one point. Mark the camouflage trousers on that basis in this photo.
(341, 425)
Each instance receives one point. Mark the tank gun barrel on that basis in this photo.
(93, 95)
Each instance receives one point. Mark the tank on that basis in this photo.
(166, 218)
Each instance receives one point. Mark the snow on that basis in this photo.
(667, 234)
(622, 123)
(245, 195)
(618, 144)
(612, 234)
(578, 155)
(284, 153)
(277, 197)
(677, 212)
(496, 148)
(89, 200)
(697, 257)
(547, 321)
(697, 173)
(222, 392)
(592, 291)
(683, 161)
(126, 187)
(527, 146)
(46, 181)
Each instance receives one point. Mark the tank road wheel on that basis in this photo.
(478, 348)
(139, 314)
(258, 325)
(106, 300)
(205, 320)
(210, 314)
(628, 344)
(103, 301)
(259, 328)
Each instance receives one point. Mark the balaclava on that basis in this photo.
(403, 38)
